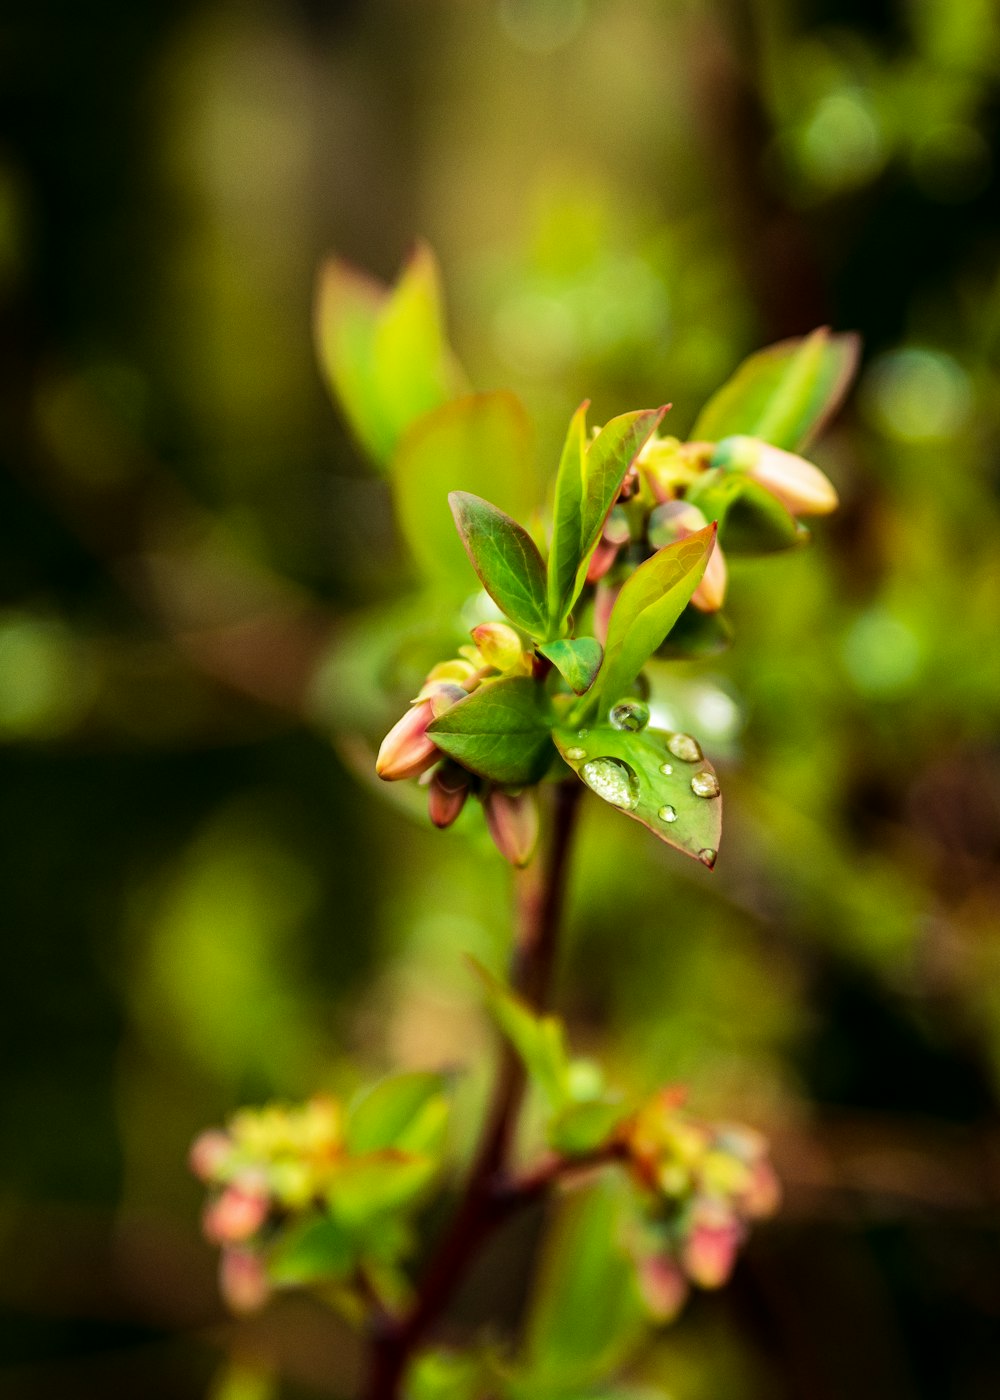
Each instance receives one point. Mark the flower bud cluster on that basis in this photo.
(670, 471)
(408, 751)
(268, 1167)
(703, 1184)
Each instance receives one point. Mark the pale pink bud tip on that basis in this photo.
(513, 824)
(407, 750)
(663, 1286)
(243, 1281)
(710, 594)
(710, 1249)
(234, 1216)
(800, 487)
(208, 1154)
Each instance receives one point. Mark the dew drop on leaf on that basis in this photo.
(666, 769)
(575, 754)
(631, 715)
(685, 748)
(667, 814)
(705, 784)
(708, 856)
(582, 733)
(612, 780)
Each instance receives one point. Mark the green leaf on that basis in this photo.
(587, 1312)
(318, 1248)
(406, 1111)
(482, 444)
(506, 559)
(383, 351)
(650, 602)
(581, 1127)
(500, 732)
(750, 519)
(445, 1375)
(380, 1183)
(784, 394)
(587, 486)
(538, 1040)
(577, 661)
(628, 768)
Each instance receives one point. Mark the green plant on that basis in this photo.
(558, 691)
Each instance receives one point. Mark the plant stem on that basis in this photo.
(485, 1203)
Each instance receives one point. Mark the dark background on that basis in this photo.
(203, 906)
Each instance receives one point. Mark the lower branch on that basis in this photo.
(487, 1199)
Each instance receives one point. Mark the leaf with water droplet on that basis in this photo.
(577, 660)
(641, 776)
(631, 714)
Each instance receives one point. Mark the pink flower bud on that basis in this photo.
(243, 1280)
(209, 1152)
(675, 521)
(407, 750)
(763, 1196)
(664, 1288)
(710, 1249)
(800, 487)
(449, 787)
(601, 560)
(235, 1215)
(710, 594)
(513, 824)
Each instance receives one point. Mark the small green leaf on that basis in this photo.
(500, 732)
(587, 1312)
(481, 443)
(784, 394)
(318, 1248)
(506, 559)
(640, 774)
(577, 661)
(377, 1184)
(446, 1375)
(581, 1127)
(406, 1111)
(587, 486)
(750, 519)
(650, 602)
(538, 1040)
(383, 350)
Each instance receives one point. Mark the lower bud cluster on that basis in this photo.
(408, 751)
(703, 1184)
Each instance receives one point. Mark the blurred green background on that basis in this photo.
(204, 906)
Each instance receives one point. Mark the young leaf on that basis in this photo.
(587, 1311)
(581, 1127)
(317, 1248)
(383, 350)
(405, 1111)
(500, 732)
(364, 1188)
(587, 485)
(538, 1040)
(480, 443)
(506, 559)
(648, 605)
(643, 775)
(750, 519)
(784, 394)
(577, 661)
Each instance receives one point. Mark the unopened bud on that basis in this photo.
(407, 750)
(800, 487)
(710, 594)
(664, 1288)
(449, 787)
(243, 1280)
(499, 645)
(763, 1196)
(209, 1153)
(235, 1215)
(513, 823)
(601, 560)
(710, 1249)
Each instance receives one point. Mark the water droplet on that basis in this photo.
(708, 856)
(582, 733)
(612, 780)
(667, 814)
(666, 769)
(705, 784)
(682, 746)
(575, 754)
(631, 714)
